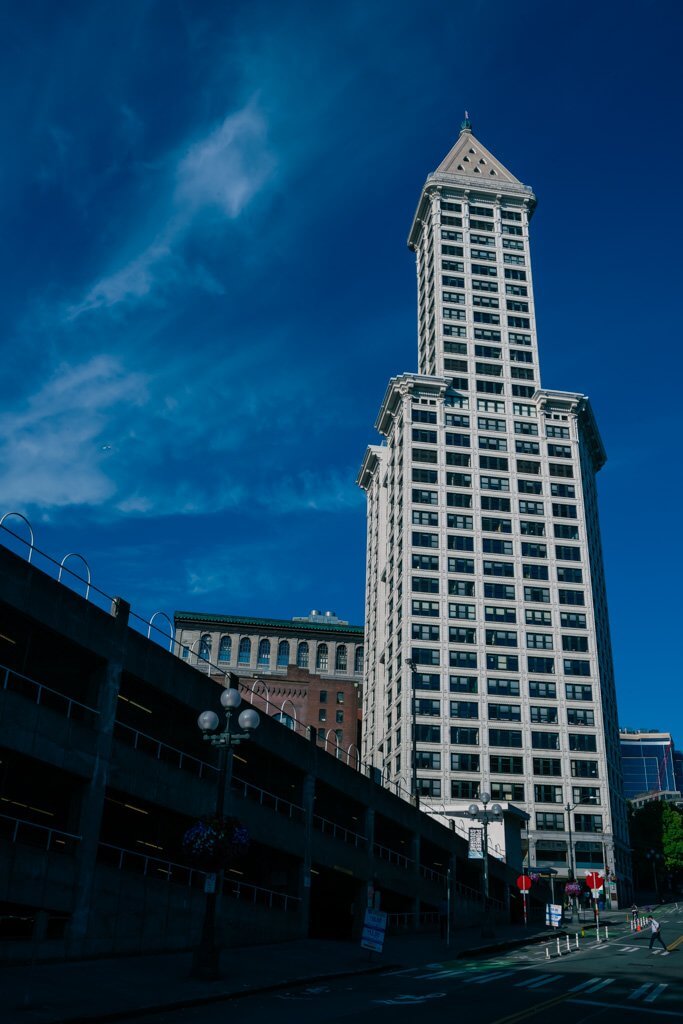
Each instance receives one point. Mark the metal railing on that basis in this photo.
(162, 751)
(267, 799)
(181, 874)
(44, 695)
(17, 830)
(409, 922)
(391, 856)
(346, 835)
(431, 875)
(257, 895)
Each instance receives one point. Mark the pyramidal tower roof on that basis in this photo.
(469, 169)
(468, 156)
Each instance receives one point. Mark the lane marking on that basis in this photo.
(531, 1010)
(620, 1006)
(656, 992)
(676, 943)
(590, 985)
(496, 976)
(638, 992)
(544, 981)
(600, 984)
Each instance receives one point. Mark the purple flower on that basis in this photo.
(215, 842)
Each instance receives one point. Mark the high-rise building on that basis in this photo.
(487, 630)
(650, 764)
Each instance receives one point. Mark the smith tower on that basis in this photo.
(486, 616)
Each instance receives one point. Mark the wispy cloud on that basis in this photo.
(217, 175)
(52, 450)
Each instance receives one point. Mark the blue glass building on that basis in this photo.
(650, 764)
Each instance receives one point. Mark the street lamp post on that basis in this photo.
(485, 816)
(207, 956)
(654, 857)
(416, 796)
(569, 808)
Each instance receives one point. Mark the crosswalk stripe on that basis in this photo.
(538, 981)
(481, 979)
(545, 981)
(638, 992)
(493, 977)
(592, 985)
(656, 992)
(601, 984)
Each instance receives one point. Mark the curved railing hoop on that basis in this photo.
(75, 554)
(352, 746)
(20, 515)
(168, 620)
(260, 682)
(288, 700)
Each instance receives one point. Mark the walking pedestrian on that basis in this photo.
(656, 934)
(634, 914)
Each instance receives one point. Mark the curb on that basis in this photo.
(217, 997)
(225, 996)
(498, 947)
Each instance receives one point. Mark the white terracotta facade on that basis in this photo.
(485, 593)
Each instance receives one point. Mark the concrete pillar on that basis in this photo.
(308, 794)
(415, 854)
(93, 796)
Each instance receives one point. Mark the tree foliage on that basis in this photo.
(672, 837)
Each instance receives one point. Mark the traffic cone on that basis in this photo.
(638, 928)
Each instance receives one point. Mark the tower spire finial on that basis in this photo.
(466, 125)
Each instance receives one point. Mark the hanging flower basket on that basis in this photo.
(573, 889)
(214, 843)
(534, 876)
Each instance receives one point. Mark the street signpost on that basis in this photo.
(595, 882)
(553, 914)
(524, 884)
(374, 927)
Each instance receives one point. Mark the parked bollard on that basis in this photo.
(568, 946)
(547, 953)
(597, 933)
(559, 951)
(606, 933)
(577, 941)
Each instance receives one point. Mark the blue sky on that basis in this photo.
(205, 284)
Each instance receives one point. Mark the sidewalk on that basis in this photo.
(122, 987)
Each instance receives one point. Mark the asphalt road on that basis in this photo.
(614, 980)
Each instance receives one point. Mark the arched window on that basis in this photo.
(205, 647)
(358, 663)
(321, 657)
(286, 720)
(341, 661)
(263, 652)
(283, 654)
(225, 649)
(302, 655)
(244, 656)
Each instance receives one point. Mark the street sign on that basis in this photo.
(596, 893)
(594, 880)
(523, 883)
(476, 845)
(374, 927)
(553, 914)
